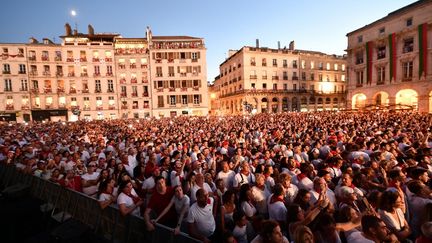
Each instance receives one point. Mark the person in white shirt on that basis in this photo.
(201, 219)
(291, 190)
(128, 200)
(244, 176)
(200, 184)
(89, 180)
(226, 175)
(276, 207)
(374, 231)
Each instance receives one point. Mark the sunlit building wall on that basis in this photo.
(266, 80)
(390, 63)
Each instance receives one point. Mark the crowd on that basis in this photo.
(290, 177)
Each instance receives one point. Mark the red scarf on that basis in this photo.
(275, 198)
(135, 199)
(301, 176)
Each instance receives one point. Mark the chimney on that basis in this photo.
(257, 43)
(278, 45)
(291, 45)
(33, 40)
(90, 30)
(68, 29)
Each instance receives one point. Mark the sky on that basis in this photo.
(224, 24)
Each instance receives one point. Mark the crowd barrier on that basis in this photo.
(108, 223)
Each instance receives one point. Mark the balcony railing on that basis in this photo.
(132, 66)
(109, 74)
(108, 59)
(72, 91)
(196, 88)
(46, 73)
(110, 91)
(122, 80)
(96, 74)
(143, 65)
(275, 77)
(159, 89)
(98, 91)
(86, 108)
(134, 107)
(253, 77)
(158, 74)
(25, 107)
(295, 78)
(123, 94)
(264, 77)
(145, 106)
(134, 94)
(95, 59)
(22, 72)
(60, 90)
(47, 90)
(99, 108)
(86, 90)
(171, 89)
(71, 74)
(134, 80)
(124, 107)
(59, 74)
(253, 64)
(183, 89)
(33, 73)
(35, 90)
(70, 59)
(111, 107)
(58, 59)
(32, 58)
(122, 66)
(145, 95)
(9, 107)
(144, 81)
(45, 58)
(6, 72)
(83, 59)
(84, 74)
(170, 74)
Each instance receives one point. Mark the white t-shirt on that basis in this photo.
(357, 237)
(240, 234)
(248, 209)
(277, 210)
(260, 197)
(240, 179)
(128, 202)
(203, 218)
(175, 180)
(227, 178)
(180, 203)
(90, 190)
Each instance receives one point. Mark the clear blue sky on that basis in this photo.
(224, 24)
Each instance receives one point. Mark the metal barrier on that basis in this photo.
(108, 223)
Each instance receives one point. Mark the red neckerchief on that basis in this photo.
(275, 198)
(352, 186)
(318, 190)
(301, 176)
(393, 184)
(134, 198)
(261, 187)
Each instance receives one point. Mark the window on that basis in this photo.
(196, 99)
(194, 55)
(381, 52)
(97, 86)
(274, 63)
(285, 86)
(295, 87)
(335, 67)
(253, 85)
(5, 50)
(8, 85)
(159, 84)
(24, 85)
(158, 71)
(284, 63)
(22, 69)
(35, 84)
(380, 75)
(303, 64)
(303, 76)
(328, 66)
(320, 66)
(312, 64)
(109, 69)
(407, 70)
(96, 70)
(110, 85)
(6, 69)
(182, 55)
(294, 63)
(343, 67)
(264, 62)
(274, 86)
(252, 61)
(381, 31)
(264, 86)
(408, 45)
(343, 77)
(320, 77)
(360, 39)
(184, 99)
(172, 99)
(409, 22)
(359, 78)
(285, 75)
(359, 57)
(264, 74)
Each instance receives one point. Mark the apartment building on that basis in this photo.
(389, 61)
(255, 80)
(101, 76)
